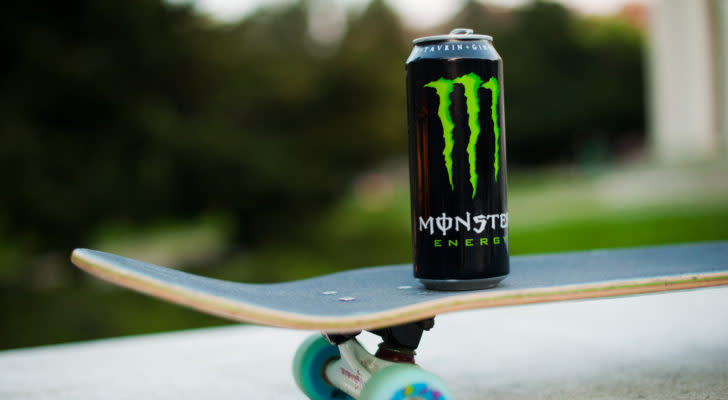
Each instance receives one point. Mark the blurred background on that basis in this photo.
(266, 141)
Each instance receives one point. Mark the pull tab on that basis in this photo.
(461, 31)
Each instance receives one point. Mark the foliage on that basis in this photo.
(140, 110)
(571, 82)
(121, 117)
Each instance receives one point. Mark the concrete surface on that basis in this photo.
(662, 346)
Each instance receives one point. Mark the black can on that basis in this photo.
(457, 155)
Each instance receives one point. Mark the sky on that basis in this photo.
(415, 13)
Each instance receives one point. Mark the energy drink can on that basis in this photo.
(457, 157)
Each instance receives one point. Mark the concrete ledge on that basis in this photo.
(663, 346)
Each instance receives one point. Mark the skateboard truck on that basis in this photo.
(355, 372)
(398, 342)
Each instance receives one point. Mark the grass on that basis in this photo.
(554, 211)
(624, 229)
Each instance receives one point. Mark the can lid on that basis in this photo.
(455, 34)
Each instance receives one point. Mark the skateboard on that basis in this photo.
(388, 301)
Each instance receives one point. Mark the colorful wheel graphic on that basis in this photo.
(405, 382)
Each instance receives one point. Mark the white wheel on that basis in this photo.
(308, 369)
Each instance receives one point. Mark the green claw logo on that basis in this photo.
(471, 83)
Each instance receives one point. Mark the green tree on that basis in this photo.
(140, 110)
(569, 80)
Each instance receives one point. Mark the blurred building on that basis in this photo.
(688, 65)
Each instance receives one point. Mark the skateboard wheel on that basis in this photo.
(400, 382)
(308, 369)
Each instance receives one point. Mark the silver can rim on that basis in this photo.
(455, 34)
(461, 284)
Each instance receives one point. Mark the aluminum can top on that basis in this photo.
(459, 44)
(455, 34)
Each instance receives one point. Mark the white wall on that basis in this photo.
(722, 31)
(684, 113)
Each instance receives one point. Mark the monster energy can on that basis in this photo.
(457, 158)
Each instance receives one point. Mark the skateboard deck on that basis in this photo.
(377, 297)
